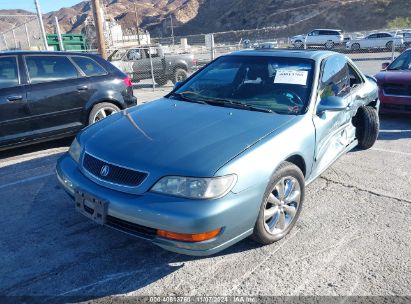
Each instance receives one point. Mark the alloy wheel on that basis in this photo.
(282, 205)
(103, 113)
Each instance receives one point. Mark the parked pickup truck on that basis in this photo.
(136, 63)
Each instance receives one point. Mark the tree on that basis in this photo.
(399, 23)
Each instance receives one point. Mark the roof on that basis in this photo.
(306, 54)
(20, 52)
(322, 29)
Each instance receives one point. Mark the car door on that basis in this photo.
(140, 63)
(370, 41)
(334, 130)
(158, 61)
(14, 111)
(313, 38)
(57, 93)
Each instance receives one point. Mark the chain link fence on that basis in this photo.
(24, 36)
(171, 55)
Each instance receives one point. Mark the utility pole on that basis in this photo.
(98, 22)
(172, 28)
(138, 31)
(59, 37)
(41, 24)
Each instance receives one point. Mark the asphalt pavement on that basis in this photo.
(353, 237)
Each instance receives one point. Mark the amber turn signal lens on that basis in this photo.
(189, 237)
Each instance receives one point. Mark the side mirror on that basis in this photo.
(178, 85)
(331, 103)
(384, 66)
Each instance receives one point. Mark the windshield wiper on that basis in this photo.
(237, 104)
(218, 101)
(183, 96)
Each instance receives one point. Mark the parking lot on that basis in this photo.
(353, 237)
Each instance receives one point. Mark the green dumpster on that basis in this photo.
(71, 42)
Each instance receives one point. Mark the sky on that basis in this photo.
(45, 5)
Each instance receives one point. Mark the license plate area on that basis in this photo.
(91, 206)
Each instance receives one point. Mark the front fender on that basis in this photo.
(255, 166)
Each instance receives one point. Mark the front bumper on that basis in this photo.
(394, 104)
(142, 215)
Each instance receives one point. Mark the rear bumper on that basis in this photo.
(142, 215)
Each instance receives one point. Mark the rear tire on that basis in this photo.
(280, 209)
(102, 110)
(389, 45)
(355, 46)
(367, 126)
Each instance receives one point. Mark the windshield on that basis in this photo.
(403, 62)
(274, 84)
(117, 55)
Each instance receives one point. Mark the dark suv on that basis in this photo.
(49, 95)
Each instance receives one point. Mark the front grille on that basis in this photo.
(397, 89)
(130, 228)
(117, 175)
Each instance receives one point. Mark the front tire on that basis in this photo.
(179, 75)
(298, 44)
(281, 204)
(101, 111)
(367, 126)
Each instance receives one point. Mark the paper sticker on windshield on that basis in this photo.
(291, 77)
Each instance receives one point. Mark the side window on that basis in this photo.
(8, 72)
(133, 55)
(355, 78)
(373, 36)
(89, 66)
(314, 33)
(335, 80)
(384, 35)
(154, 53)
(49, 68)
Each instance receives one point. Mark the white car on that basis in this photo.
(407, 38)
(379, 40)
(268, 45)
(319, 37)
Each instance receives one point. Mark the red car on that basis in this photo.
(394, 83)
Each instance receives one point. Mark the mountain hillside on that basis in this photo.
(204, 16)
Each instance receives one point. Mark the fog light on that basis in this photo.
(199, 237)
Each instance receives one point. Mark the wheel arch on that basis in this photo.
(91, 105)
(299, 161)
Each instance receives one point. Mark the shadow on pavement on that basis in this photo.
(50, 250)
(32, 148)
(394, 127)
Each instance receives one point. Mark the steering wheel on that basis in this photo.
(290, 96)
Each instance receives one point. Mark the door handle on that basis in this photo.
(14, 98)
(82, 88)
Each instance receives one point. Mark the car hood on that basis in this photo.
(298, 36)
(396, 77)
(178, 138)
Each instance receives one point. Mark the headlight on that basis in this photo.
(75, 151)
(195, 188)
